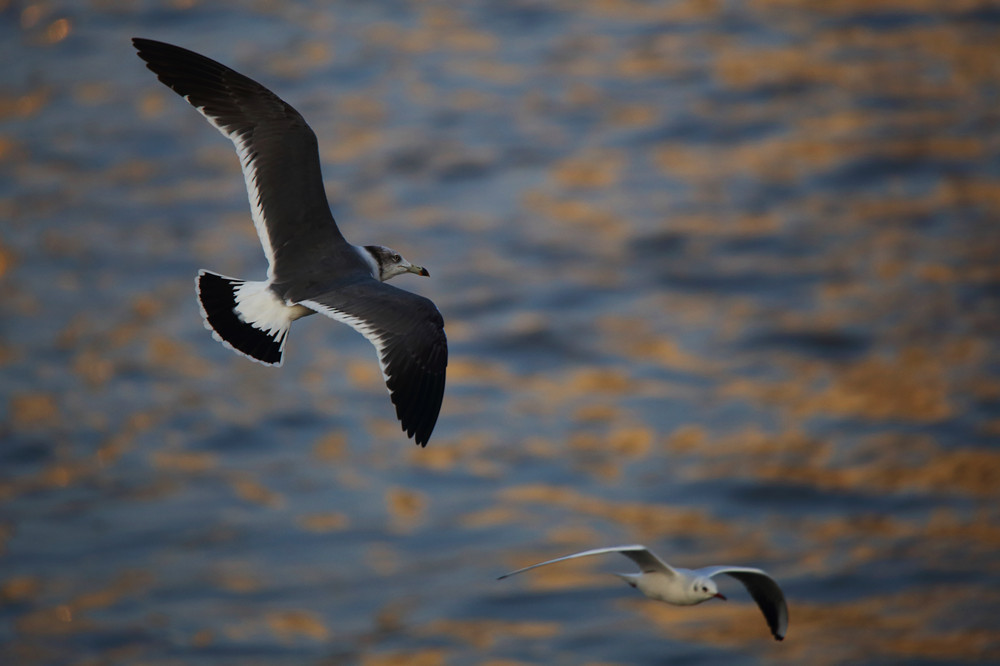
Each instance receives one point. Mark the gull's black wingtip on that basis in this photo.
(147, 49)
(140, 43)
(421, 432)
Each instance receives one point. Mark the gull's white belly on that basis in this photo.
(670, 589)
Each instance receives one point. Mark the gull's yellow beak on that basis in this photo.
(419, 270)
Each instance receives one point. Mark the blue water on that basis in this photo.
(719, 278)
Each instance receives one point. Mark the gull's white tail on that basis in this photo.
(246, 316)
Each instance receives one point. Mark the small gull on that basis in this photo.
(685, 587)
(311, 266)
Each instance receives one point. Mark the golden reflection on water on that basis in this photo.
(760, 268)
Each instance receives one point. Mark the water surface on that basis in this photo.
(719, 278)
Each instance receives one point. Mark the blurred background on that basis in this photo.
(718, 277)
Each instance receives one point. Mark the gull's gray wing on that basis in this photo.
(278, 151)
(764, 590)
(639, 554)
(408, 333)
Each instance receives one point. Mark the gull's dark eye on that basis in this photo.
(396, 258)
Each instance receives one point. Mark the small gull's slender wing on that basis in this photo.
(639, 554)
(408, 333)
(278, 151)
(647, 561)
(764, 590)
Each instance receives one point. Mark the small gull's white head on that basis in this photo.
(704, 588)
(391, 263)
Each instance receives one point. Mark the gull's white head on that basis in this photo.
(391, 263)
(704, 588)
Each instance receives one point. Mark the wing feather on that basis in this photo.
(407, 332)
(764, 590)
(278, 151)
(639, 554)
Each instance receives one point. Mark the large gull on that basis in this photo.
(311, 266)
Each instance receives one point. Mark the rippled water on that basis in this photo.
(719, 277)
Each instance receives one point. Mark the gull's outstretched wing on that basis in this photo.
(647, 561)
(408, 333)
(764, 590)
(277, 149)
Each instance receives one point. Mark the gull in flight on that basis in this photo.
(311, 266)
(686, 587)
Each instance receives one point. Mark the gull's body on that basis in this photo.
(311, 266)
(686, 587)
